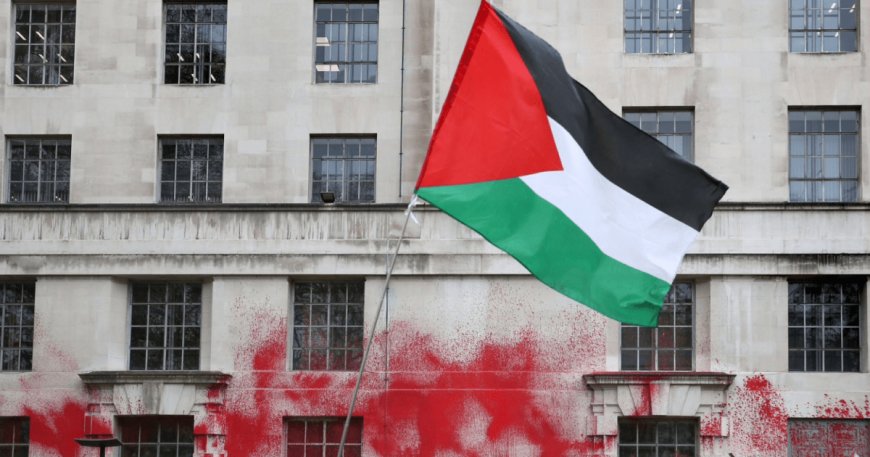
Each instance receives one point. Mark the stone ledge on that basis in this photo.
(190, 377)
(614, 378)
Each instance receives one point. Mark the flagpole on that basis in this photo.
(362, 366)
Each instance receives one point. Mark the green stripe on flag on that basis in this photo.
(536, 233)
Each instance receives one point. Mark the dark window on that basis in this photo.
(328, 325)
(320, 437)
(153, 436)
(674, 128)
(824, 332)
(658, 26)
(165, 322)
(191, 170)
(39, 170)
(667, 347)
(823, 155)
(675, 438)
(14, 436)
(344, 166)
(815, 437)
(346, 42)
(44, 43)
(16, 326)
(823, 25)
(196, 43)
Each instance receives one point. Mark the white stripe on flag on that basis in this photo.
(624, 227)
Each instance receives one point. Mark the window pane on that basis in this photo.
(645, 348)
(345, 33)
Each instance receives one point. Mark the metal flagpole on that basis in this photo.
(365, 358)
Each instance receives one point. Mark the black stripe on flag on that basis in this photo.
(624, 154)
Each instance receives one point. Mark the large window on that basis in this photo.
(196, 43)
(191, 170)
(816, 437)
(321, 437)
(344, 167)
(658, 26)
(823, 155)
(346, 42)
(823, 25)
(824, 332)
(45, 35)
(165, 321)
(327, 325)
(14, 436)
(39, 170)
(153, 436)
(667, 347)
(16, 326)
(641, 438)
(674, 128)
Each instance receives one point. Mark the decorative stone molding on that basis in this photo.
(651, 394)
(184, 393)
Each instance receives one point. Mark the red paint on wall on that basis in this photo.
(53, 429)
(759, 416)
(843, 409)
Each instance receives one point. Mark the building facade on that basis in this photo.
(199, 201)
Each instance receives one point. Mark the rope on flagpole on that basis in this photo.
(392, 263)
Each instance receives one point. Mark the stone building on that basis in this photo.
(172, 275)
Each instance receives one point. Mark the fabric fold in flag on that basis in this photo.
(532, 161)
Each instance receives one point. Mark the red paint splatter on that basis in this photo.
(843, 409)
(54, 429)
(711, 426)
(760, 418)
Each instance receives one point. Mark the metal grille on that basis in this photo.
(814, 437)
(191, 170)
(823, 25)
(39, 170)
(16, 326)
(14, 436)
(669, 346)
(327, 325)
(44, 43)
(823, 155)
(346, 42)
(648, 438)
(153, 436)
(321, 437)
(165, 326)
(344, 166)
(196, 43)
(824, 327)
(658, 26)
(674, 128)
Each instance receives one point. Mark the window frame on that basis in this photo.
(827, 422)
(165, 348)
(18, 423)
(198, 68)
(349, 445)
(7, 188)
(292, 348)
(347, 79)
(806, 30)
(21, 284)
(624, 420)
(46, 64)
(139, 419)
(654, 33)
(658, 111)
(345, 161)
(656, 349)
(161, 140)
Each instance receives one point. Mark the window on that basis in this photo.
(327, 325)
(45, 36)
(344, 166)
(322, 437)
(814, 437)
(191, 170)
(675, 438)
(823, 25)
(667, 347)
(346, 42)
(196, 43)
(39, 170)
(16, 326)
(824, 327)
(147, 436)
(823, 155)
(165, 326)
(674, 128)
(658, 26)
(14, 436)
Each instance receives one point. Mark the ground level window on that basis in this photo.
(811, 437)
(649, 438)
(14, 436)
(163, 436)
(321, 437)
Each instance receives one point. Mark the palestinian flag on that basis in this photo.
(536, 164)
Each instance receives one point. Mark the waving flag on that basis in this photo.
(536, 164)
